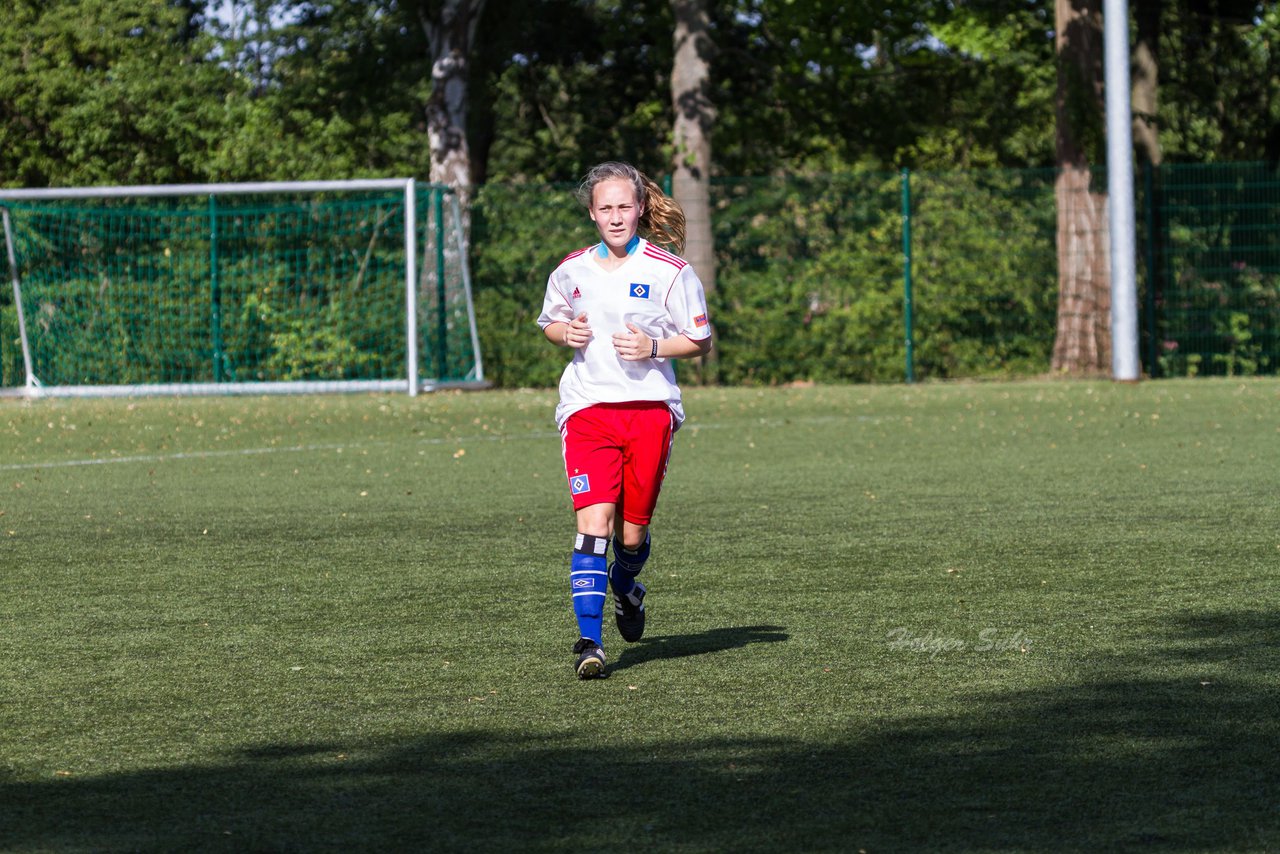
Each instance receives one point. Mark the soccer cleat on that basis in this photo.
(628, 609)
(590, 659)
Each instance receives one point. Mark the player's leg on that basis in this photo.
(588, 570)
(588, 578)
(628, 593)
(644, 467)
(630, 551)
(592, 467)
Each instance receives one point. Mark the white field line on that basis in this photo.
(162, 458)
(249, 452)
(354, 446)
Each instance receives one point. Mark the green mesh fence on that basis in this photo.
(813, 276)
(1213, 249)
(236, 288)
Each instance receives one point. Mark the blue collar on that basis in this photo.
(603, 249)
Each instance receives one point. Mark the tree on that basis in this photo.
(1083, 341)
(80, 99)
(691, 157)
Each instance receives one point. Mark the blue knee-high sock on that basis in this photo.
(588, 578)
(627, 565)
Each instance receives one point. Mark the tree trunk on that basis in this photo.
(1083, 343)
(450, 37)
(1146, 81)
(694, 116)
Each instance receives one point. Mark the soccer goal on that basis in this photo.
(281, 287)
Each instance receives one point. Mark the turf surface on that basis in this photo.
(979, 617)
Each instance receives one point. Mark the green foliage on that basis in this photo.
(830, 304)
(810, 279)
(569, 85)
(82, 102)
(304, 348)
(323, 91)
(153, 91)
(997, 66)
(805, 288)
(519, 235)
(985, 272)
(1220, 81)
(1227, 325)
(810, 286)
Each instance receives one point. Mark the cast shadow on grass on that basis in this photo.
(702, 643)
(1169, 747)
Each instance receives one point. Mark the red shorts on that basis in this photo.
(616, 453)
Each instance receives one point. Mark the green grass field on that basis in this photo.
(971, 617)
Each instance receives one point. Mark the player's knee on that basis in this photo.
(633, 539)
(633, 544)
(597, 520)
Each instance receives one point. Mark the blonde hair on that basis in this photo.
(662, 221)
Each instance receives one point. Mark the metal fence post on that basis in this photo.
(215, 290)
(1149, 304)
(442, 309)
(907, 307)
(27, 367)
(411, 284)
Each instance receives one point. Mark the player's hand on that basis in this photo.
(632, 346)
(578, 334)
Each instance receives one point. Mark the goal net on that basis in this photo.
(236, 288)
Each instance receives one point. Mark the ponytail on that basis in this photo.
(663, 219)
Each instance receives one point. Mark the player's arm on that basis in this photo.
(557, 319)
(683, 347)
(687, 305)
(634, 345)
(576, 333)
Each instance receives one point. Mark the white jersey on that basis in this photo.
(655, 290)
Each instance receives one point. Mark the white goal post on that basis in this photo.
(244, 288)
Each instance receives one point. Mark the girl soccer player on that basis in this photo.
(626, 307)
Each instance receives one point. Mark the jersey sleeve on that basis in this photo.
(687, 305)
(555, 305)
